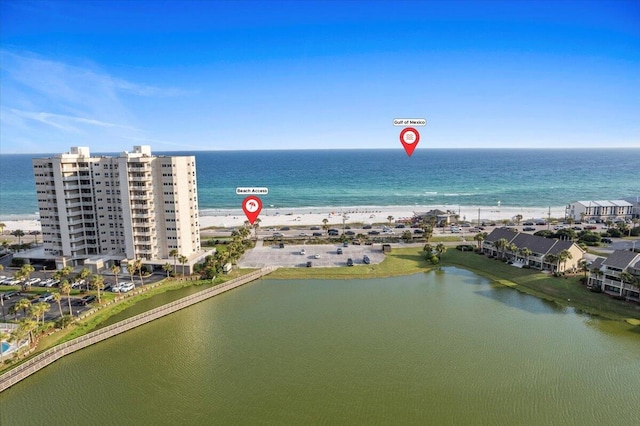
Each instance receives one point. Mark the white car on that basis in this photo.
(317, 256)
(303, 252)
(127, 287)
(116, 287)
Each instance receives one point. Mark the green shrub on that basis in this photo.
(17, 262)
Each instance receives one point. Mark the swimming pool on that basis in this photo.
(5, 347)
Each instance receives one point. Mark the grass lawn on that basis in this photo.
(564, 291)
(401, 261)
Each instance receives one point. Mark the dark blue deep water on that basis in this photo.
(335, 178)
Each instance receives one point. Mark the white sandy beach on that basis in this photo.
(314, 216)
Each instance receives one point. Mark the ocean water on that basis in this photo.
(337, 178)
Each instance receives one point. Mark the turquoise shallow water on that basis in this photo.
(445, 347)
(516, 178)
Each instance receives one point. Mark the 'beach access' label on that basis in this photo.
(252, 191)
(398, 122)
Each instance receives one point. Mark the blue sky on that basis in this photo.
(207, 75)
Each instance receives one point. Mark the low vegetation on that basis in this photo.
(566, 291)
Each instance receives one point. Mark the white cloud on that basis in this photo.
(50, 100)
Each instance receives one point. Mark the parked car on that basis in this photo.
(278, 234)
(87, 299)
(366, 259)
(9, 294)
(367, 227)
(528, 228)
(333, 232)
(349, 262)
(127, 287)
(303, 234)
(315, 228)
(418, 231)
(285, 228)
(528, 223)
(54, 283)
(350, 233)
(339, 251)
(46, 297)
(116, 288)
(316, 256)
(33, 281)
(373, 232)
(345, 244)
(303, 252)
(399, 226)
(317, 234)
(309, 264)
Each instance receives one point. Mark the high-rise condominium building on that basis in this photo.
(133, 206)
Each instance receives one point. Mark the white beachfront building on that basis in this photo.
(99, 210)
(601, 210)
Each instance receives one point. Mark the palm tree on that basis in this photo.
(84, 274)
(427, 249)
(23, 304)
(39, 310)
(97, 283)
(584, 267)
(19, 234)
(17, 335)
(551, 259)
(479, 238)
(2, 226)
(563, 256)
(115, 270)
(525, 253)
(167, 268)
(518, 218)
(26, 272)
(28, 326)
(65, 288)
(174, 253)
(57, 297)
(138, 266)
(183, 259)
(501, 246)
(440, 249)
(390, 219)
(35, 236)
(256, 225)
(325, 223)
(513, 249)
(131, 268)
(427, 230)
(625, 277)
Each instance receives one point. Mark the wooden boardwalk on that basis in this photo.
(49, 356)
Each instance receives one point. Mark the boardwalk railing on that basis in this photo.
(49, 356)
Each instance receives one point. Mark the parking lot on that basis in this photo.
(54, 312)
(290, 255)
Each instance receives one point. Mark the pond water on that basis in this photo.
(441, 347)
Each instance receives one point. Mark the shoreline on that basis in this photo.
(309, 216)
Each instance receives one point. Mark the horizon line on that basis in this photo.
(349, 149)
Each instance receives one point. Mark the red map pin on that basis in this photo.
(252, 206)
(409, 138)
